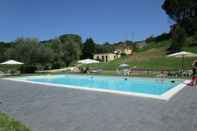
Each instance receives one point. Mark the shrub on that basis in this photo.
(194, 42)
(56, 65)
(12, 69)
(10, 124)
(28, 69)
(123, 54)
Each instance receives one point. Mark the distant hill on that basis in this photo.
(153, 56)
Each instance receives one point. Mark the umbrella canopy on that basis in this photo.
(124, 66)
(12, 62)
(88, 61)
(183, 54)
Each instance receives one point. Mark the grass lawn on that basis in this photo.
(10, 124)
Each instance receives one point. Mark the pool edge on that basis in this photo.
(166, 96)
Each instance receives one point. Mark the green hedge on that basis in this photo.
(9, 68)
(10, 124)
(28, 69)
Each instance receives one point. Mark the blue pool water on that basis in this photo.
(151, 86)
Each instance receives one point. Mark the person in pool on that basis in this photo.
(194, 74)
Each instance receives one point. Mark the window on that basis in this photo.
(103, 58)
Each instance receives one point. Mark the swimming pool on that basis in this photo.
(145, 87)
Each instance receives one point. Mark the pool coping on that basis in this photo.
(166, 96)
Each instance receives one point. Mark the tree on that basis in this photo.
(150, 39)
(178, 39)
(23, 50)
(88, 49)
(30, 52)
(195, 36)
(194, 41)
(3, 48)
(162, 37)
(70, 37)
(180, 11)
(72, 52)
(104, 48)
(59, 51)
(174, 7)
(67, 49)
(45, 55)
(72, 47)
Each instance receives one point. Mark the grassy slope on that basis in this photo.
(9, 124)
(154, 56)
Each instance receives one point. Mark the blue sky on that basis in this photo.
(103, 20)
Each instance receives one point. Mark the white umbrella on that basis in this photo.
(12, 62)
(88, 61)
(123, 66)
(182, 55)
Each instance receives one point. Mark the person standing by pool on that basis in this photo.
(194, 74)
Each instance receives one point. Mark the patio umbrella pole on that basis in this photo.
(183, 59)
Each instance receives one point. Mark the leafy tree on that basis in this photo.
(194, 41)
(178, 39)
(104, 48)
(72, 46)
(30, 52)
(72, 52)
(150, 39)
(89, 49)
(162, 37)
(175, 9)
(70, 37)
(3, 48)
(59, 51)
(67, 48)
(159, 38)
(23, 50)
(195, 36)
(45, 55)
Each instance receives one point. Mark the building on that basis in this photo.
(125, 50)
(128, 51)
(106, 57)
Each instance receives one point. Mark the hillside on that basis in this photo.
(153, 56)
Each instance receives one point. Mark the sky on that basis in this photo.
(103, 20)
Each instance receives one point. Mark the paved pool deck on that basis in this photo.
(46, 108)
